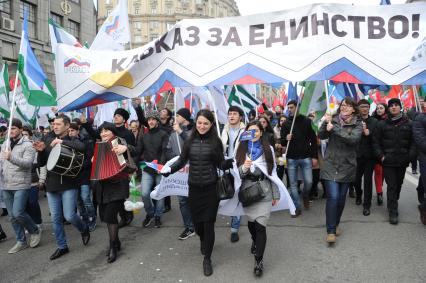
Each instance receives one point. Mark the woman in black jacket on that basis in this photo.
(111, 193)
(204, 151)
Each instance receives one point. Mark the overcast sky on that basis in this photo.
(248, 7)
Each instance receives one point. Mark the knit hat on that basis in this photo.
(108, 126)
(153, 114)
(184, 113)
(17, 123)
(394, 101)
(123, 113)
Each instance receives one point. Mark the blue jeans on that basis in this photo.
(306, 166)
(85, 204)
(235, 223)
(33, 207)
(149, 181)
(336, 197)
(16, 202)
(186, 213)
(64, 203)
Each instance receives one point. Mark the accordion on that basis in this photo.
(109, 165)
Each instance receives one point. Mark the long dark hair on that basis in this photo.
(211, 135)
(242, 150)
(268, 128)
(381, 117)
(349, 101)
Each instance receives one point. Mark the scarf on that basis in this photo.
(397, 117)
(345, 119)
(255, 149)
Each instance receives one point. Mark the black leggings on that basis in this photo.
(205, 231)
(258, 234)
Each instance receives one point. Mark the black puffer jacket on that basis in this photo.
(419, 135)
(205, 156)
(56, 182)
(393, 140)
(365, 146)
(153, 146)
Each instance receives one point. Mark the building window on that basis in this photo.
(32, 16)
(153, 24)
(136, 11)
(9, 50)
(138, 38)
(137, 25)
(153, 36)
(153, 11)
(5, 9)
(74, 29)
(57, 18)
(199, 2)
(109, 11)
(169, 11)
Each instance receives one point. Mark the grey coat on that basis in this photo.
(16, 172)
(340, 155)
(174, 147)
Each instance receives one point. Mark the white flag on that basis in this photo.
(115, 31)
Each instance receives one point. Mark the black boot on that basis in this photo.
(258, 267)
(207, 267)
(113, 252)
(380, 199)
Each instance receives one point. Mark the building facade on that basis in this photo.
(77, 16)
(149, 19)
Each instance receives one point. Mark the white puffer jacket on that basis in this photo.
(16, 172)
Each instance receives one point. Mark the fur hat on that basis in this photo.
(153, 114)
(123, 113)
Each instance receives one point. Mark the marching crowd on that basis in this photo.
(342, 155)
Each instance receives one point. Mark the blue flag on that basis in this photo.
(385, 2)
(247, 135)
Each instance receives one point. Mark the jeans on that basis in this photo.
(149, 181)
(16, 202)
(85, 204)
(421, 194)
(64, 203)
(306, 166)
(394, 177)
(186, 213)
(33, 207)
(235, 223)
(336, 197)
(364, 167)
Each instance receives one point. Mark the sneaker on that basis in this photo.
(258, 268)
(207, 267)
(147, 221)
(331, 238)
(19, 246)
(234, 237)
(366, 211)
(157, 222)
(92, 224)
(380, 199)
(2, 236)
(186, 234)
(35, 239)
(298, 213)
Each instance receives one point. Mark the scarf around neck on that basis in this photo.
(345, 119)
(397, 117)
(255, 149)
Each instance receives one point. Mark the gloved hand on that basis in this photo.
(165, 171)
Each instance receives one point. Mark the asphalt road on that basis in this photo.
(370, 250)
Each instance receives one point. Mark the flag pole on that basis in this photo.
(416, 97)
(177, 136)
(215, 113)
(327, 98)
(294, 119)
(12, 108)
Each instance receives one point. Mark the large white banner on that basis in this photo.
(359, 44)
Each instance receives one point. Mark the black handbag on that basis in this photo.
(251, 194)
(225, 186)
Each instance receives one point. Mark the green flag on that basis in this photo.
(313, 100)
(4, 91)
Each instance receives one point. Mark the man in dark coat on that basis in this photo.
(61, 190)
(365, 157)
(394, 147)
(419, 135)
